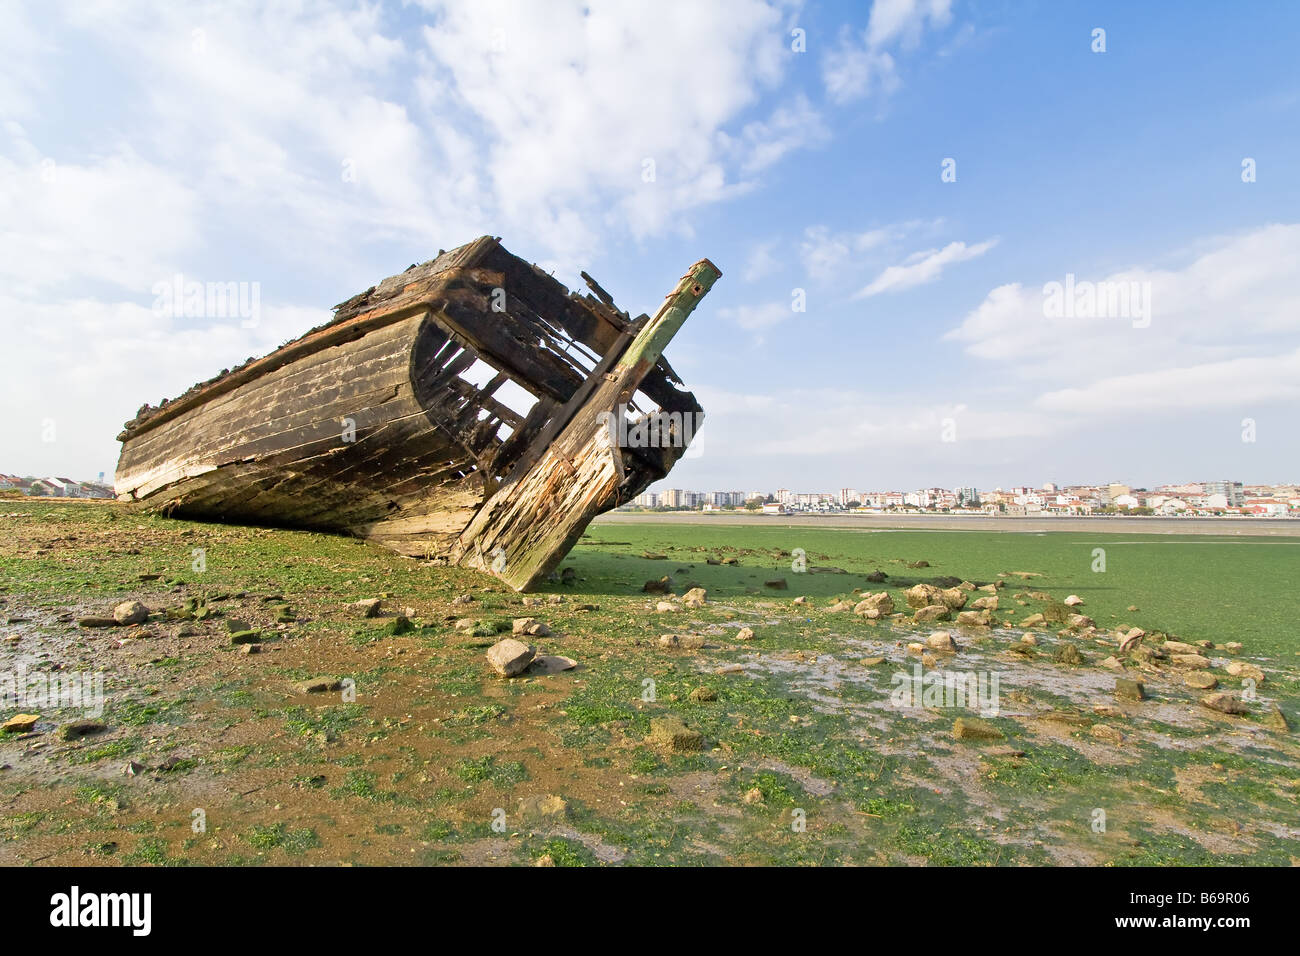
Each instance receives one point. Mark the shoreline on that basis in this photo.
(1100, 524)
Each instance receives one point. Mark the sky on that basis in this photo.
(898, 195)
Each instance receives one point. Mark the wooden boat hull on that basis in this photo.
(370, 426)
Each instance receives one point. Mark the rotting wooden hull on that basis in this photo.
(369, 425)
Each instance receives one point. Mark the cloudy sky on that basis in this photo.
(914, 173)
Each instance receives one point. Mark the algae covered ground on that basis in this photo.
(389, 740)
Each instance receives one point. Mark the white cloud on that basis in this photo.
(754, 318)
(923, 267)
(862, 66)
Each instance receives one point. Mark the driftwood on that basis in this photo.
(368, 425)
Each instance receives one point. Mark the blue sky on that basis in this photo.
(315, 148)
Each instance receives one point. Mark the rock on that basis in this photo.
(133, 769)
(1113, 663)
(695, 597)
(1200, 680)
(941, 641)
(1107, 733)
(1073, 601)
(704, 695)
(1067, 654)
(1224, 704)
(1034, 620)
(551, 664)
(780, 584)
(840, 606)
(877, 577)
(1276, 720)
(688, 642)
(972, 728)
(370, 607)
(745, 634)
(666, 607)
(1178, 647)
(245, 637)
(460, 599)
(1126, 689)
(20, 723)
(672, 734)
(1245, 671)
(247, 649)
(97, 622)
(1030, 639)
(932, 612)
(991, 588)
(985, 604)
(1190, 660)
(1233, 647)
(130, 612)
(530, 627)
(974, 619)
(966, 586)
(510, 657)
(871, 661)
(543, 807)
(928, 660)
(1131, 639)
(318, 685)
(81, 728)
(881, 603)
(801, 599)
(1079, 621)
(754, 795)
(953, 598)
(924, 595)
(918, 564)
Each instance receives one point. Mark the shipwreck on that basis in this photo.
(469, 410)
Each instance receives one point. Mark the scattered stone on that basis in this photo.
(1224, 704)
(1200, 680)
(780, 584)
(1126, 689)
(1233, 647)
(753, 796)
(530, 627)
(695, 597)
(941, 641)
(1034, 620)
(1178, 647)
(1107, 733)
(510, 657)
(461, 599)
(81, 728)
(20, 723)
(1276, 720)
(881, 603)
(1073, 601)
(662, 586)
(924, 595)
(871, 661)
(840, 606)
(918, 564)
(690, 642)
(551, 664)
(1030, 639)
(1245, 671)
(704, 695)
(932, 612)
(130, 612)
(915, 647)
(1133, 607)
(545, 806)
(671, 733)
(972, 728)
(745, 634)
(1113, 663)
(97, 622)
(1131, 640)
(985, 604)
(1190, 660)
(247, 649)
(245, 637)
(877, 577)
(369, 607)
(133, 769)
(1067, 654)
(953, 598)
(974, 619)
(928, 660)
(731, 669)
(667, 607)
(801, 600)
(318, 685)
(1079, 621)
